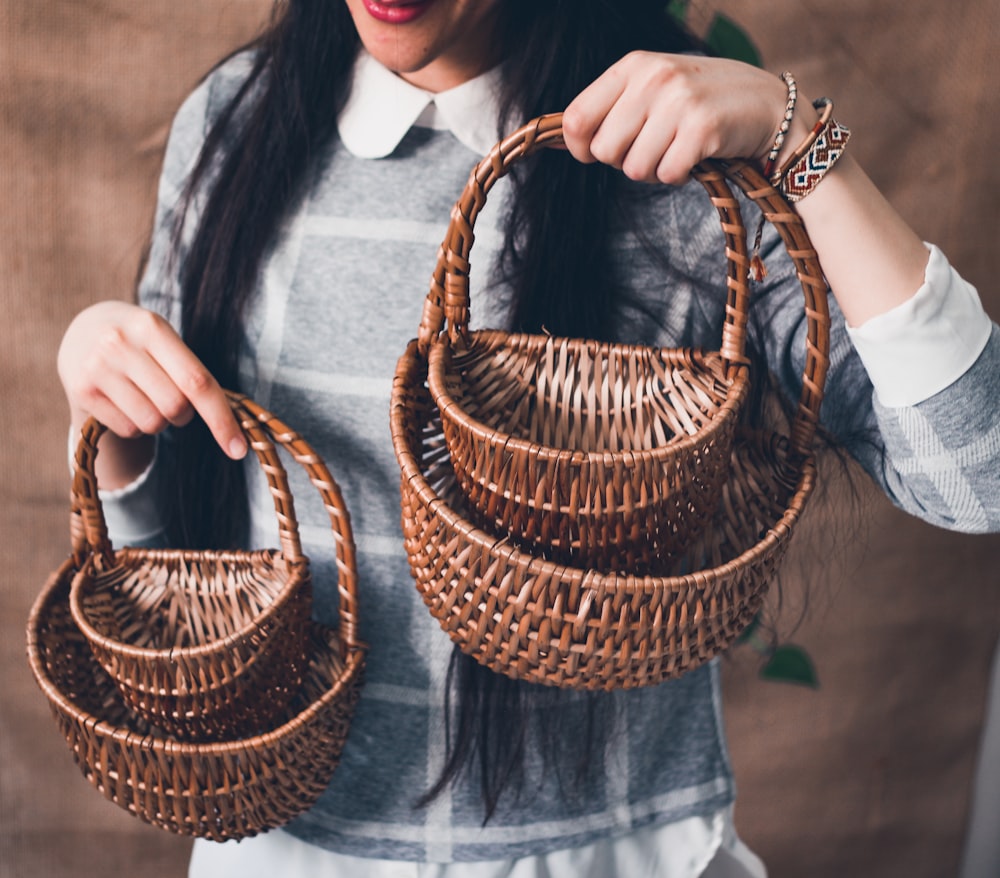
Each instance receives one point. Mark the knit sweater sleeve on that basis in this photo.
(936, 458)
(942, 454)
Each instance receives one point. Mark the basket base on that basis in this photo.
(219, 791)
(531, 619)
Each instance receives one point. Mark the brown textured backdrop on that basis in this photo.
(869, 775)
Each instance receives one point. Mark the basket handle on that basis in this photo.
(86, 501)
(253, 415)
(447, 301)
(777, 211)
(448, 298)
(88, 528)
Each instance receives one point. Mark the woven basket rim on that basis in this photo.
(352, 660)
(298, 575)
(629, 583)
(729, 409)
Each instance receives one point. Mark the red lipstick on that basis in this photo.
(397, 12)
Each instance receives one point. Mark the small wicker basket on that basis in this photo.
(242, 783)
(598, 455)
(519, 612)
(206, 645)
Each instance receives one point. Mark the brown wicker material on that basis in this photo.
(576, 626)
(222, 790)
(600, 455)
(206, 645)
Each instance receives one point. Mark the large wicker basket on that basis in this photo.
(524, 615)
(599, 455)
(244, 782)
(220, 790)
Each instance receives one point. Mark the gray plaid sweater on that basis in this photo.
(339, 298)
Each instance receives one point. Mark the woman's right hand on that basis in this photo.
(129, 369)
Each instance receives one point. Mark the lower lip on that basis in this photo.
(401, 14)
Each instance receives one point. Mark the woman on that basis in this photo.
(306, 186)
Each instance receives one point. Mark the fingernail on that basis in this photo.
(237, 448)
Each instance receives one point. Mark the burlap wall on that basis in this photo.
(869, 775)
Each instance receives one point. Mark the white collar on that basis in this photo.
(382, 107)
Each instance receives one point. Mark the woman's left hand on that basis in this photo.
(656, 116)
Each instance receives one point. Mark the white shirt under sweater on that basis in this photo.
(682, 847)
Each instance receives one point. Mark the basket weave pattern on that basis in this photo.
(499, 595)
(627, 451)
(532, 619)
(161, 625)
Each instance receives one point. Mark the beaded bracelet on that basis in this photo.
(786, 121)
(757, 270)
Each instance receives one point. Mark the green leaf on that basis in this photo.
(790, 664)
(678, 9)
(728, 40)
(747, 634)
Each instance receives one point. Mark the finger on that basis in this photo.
(198, 386)
(678, 133)
(697, 139)
(102, 386)
(119, 369)
(617, 133)
(675, 165)
(137, 382)
(587, 111)
(636, 131)
(218, 415)
(128, 367)
(166, 402)
(108, 406)
(641, 156)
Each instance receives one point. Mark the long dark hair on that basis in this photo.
(258, 157)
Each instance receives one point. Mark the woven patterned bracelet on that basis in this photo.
(806, 174)
(802, 171)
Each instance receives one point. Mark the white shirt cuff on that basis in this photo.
(926, 344)
(132, 512)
